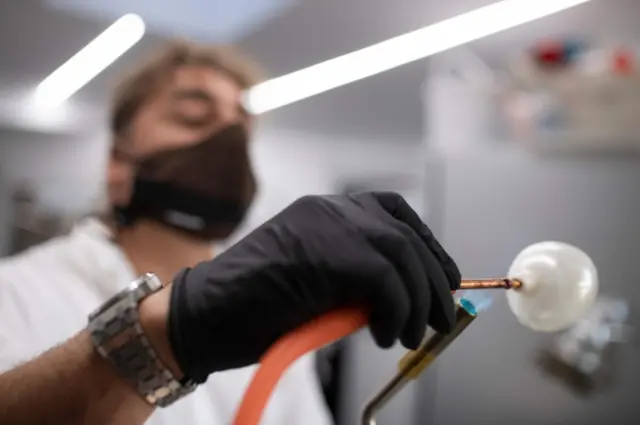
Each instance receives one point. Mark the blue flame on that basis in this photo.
(479, 299)
(468, 306)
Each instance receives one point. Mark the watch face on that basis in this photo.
(145, 284)
(152, 281)
(110, 303)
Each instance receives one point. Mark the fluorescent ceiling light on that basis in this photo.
(399, 50)
(90, 61)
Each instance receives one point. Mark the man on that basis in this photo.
(180, 177)
(178, 127)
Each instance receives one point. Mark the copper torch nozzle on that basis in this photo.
(501, 283)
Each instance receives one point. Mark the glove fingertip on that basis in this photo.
(412, 341)
(384, 332)
(382, 337)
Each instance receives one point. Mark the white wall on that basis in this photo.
(67, 171)
(293, 164)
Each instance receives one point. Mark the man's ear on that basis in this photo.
(120, 175)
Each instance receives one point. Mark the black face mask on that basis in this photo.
(203, 190)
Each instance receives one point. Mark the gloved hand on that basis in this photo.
(319, 254)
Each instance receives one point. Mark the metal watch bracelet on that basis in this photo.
(118, 336)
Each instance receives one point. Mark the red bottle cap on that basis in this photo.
(623, 62)
(549, 53)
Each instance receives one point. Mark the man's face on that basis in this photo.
(196, 102)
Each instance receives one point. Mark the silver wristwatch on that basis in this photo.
(118, 336)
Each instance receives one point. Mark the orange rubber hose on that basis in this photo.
(312, 336)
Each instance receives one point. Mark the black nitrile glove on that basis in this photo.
(319, 254)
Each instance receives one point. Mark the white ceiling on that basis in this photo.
(200, 19)
(35, 39)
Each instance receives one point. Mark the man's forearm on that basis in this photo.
(72, 385)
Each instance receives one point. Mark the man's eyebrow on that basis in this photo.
(195, 94)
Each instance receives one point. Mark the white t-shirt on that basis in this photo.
(47, 292)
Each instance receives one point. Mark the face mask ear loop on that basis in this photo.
(120, 218)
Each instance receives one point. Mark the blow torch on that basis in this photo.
(550, 285)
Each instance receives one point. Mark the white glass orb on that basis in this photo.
(560, 283)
